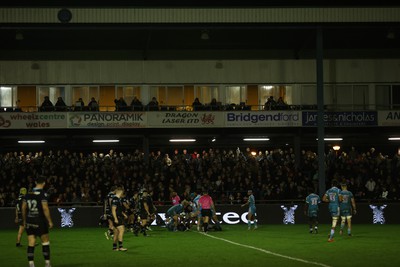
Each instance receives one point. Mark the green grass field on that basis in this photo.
(270, 245)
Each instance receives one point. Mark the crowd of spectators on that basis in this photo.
(228, 173)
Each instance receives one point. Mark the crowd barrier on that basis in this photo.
(227, 214)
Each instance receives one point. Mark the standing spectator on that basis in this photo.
(270, 104)
(280, 104)
(370, 185)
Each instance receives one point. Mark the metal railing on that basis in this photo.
(222, 107)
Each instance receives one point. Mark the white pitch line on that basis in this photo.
(266, 251)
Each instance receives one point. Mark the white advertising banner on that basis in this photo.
(185, 119)
(107, 119)
(22, 120)
(389, 118)
(263, 119)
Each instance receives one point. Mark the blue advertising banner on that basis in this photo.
(342, 119)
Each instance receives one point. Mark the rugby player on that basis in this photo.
(107, 212)
(119, 216)
(347, 208)
(251, 216)
(175, 211)
(37, 221)
(311, 211)
(18, 215)
(332, 197)
(144, 212)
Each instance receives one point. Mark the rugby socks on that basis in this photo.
(114, 246)
(30, 253)
(205, 225)
(249, 223)
(120, 245)
(46, 250)
(332, 233)
(348, 231)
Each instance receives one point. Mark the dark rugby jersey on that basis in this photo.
(34, 200)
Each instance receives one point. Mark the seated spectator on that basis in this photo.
(214, 104)
(152, 105)
(17, 107)
(120, 104)
(270, 104)
(197, 105)
(47, 105)
(79, 105)
(60, 105)
(280, 104)
(136, 104)
(93, 105)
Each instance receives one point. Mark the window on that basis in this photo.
(84, 92)
(128, 93)
(8, 96)
(277, 91)
(236, 94)
(387, 96)
(168, 96)
(53, 92)
(206, 93)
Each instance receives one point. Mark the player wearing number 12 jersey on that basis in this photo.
(37, 221)
(332, 197)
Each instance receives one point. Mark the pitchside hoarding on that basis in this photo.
(342, 119)
(389, 118)
(263, 119)
(191, 119)
(227, 214)
(107, 120)
(23, 120)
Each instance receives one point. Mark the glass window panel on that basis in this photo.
(188, 93)
(84, 92)
(175, 96)
(206, 93)
(235, 94)
(360, 97)
(382, 96)
(396, 96)
(276, 91)
(329, 96)
(128, 93)
(344, 97)
(6, 96)
(308, 95)
(53, 92)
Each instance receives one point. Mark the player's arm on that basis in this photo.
(353, 204)
(114, 213)
(16, 214)
(146, 208)
(23, 212)
(325, 198)
(46, 213)
(306, 208)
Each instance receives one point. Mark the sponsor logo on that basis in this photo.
(289, 214)
(341, 118)
(4, 123)
(75, 120)
(393, 115)
(66, 217)
(256, 118)
(378, 216)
